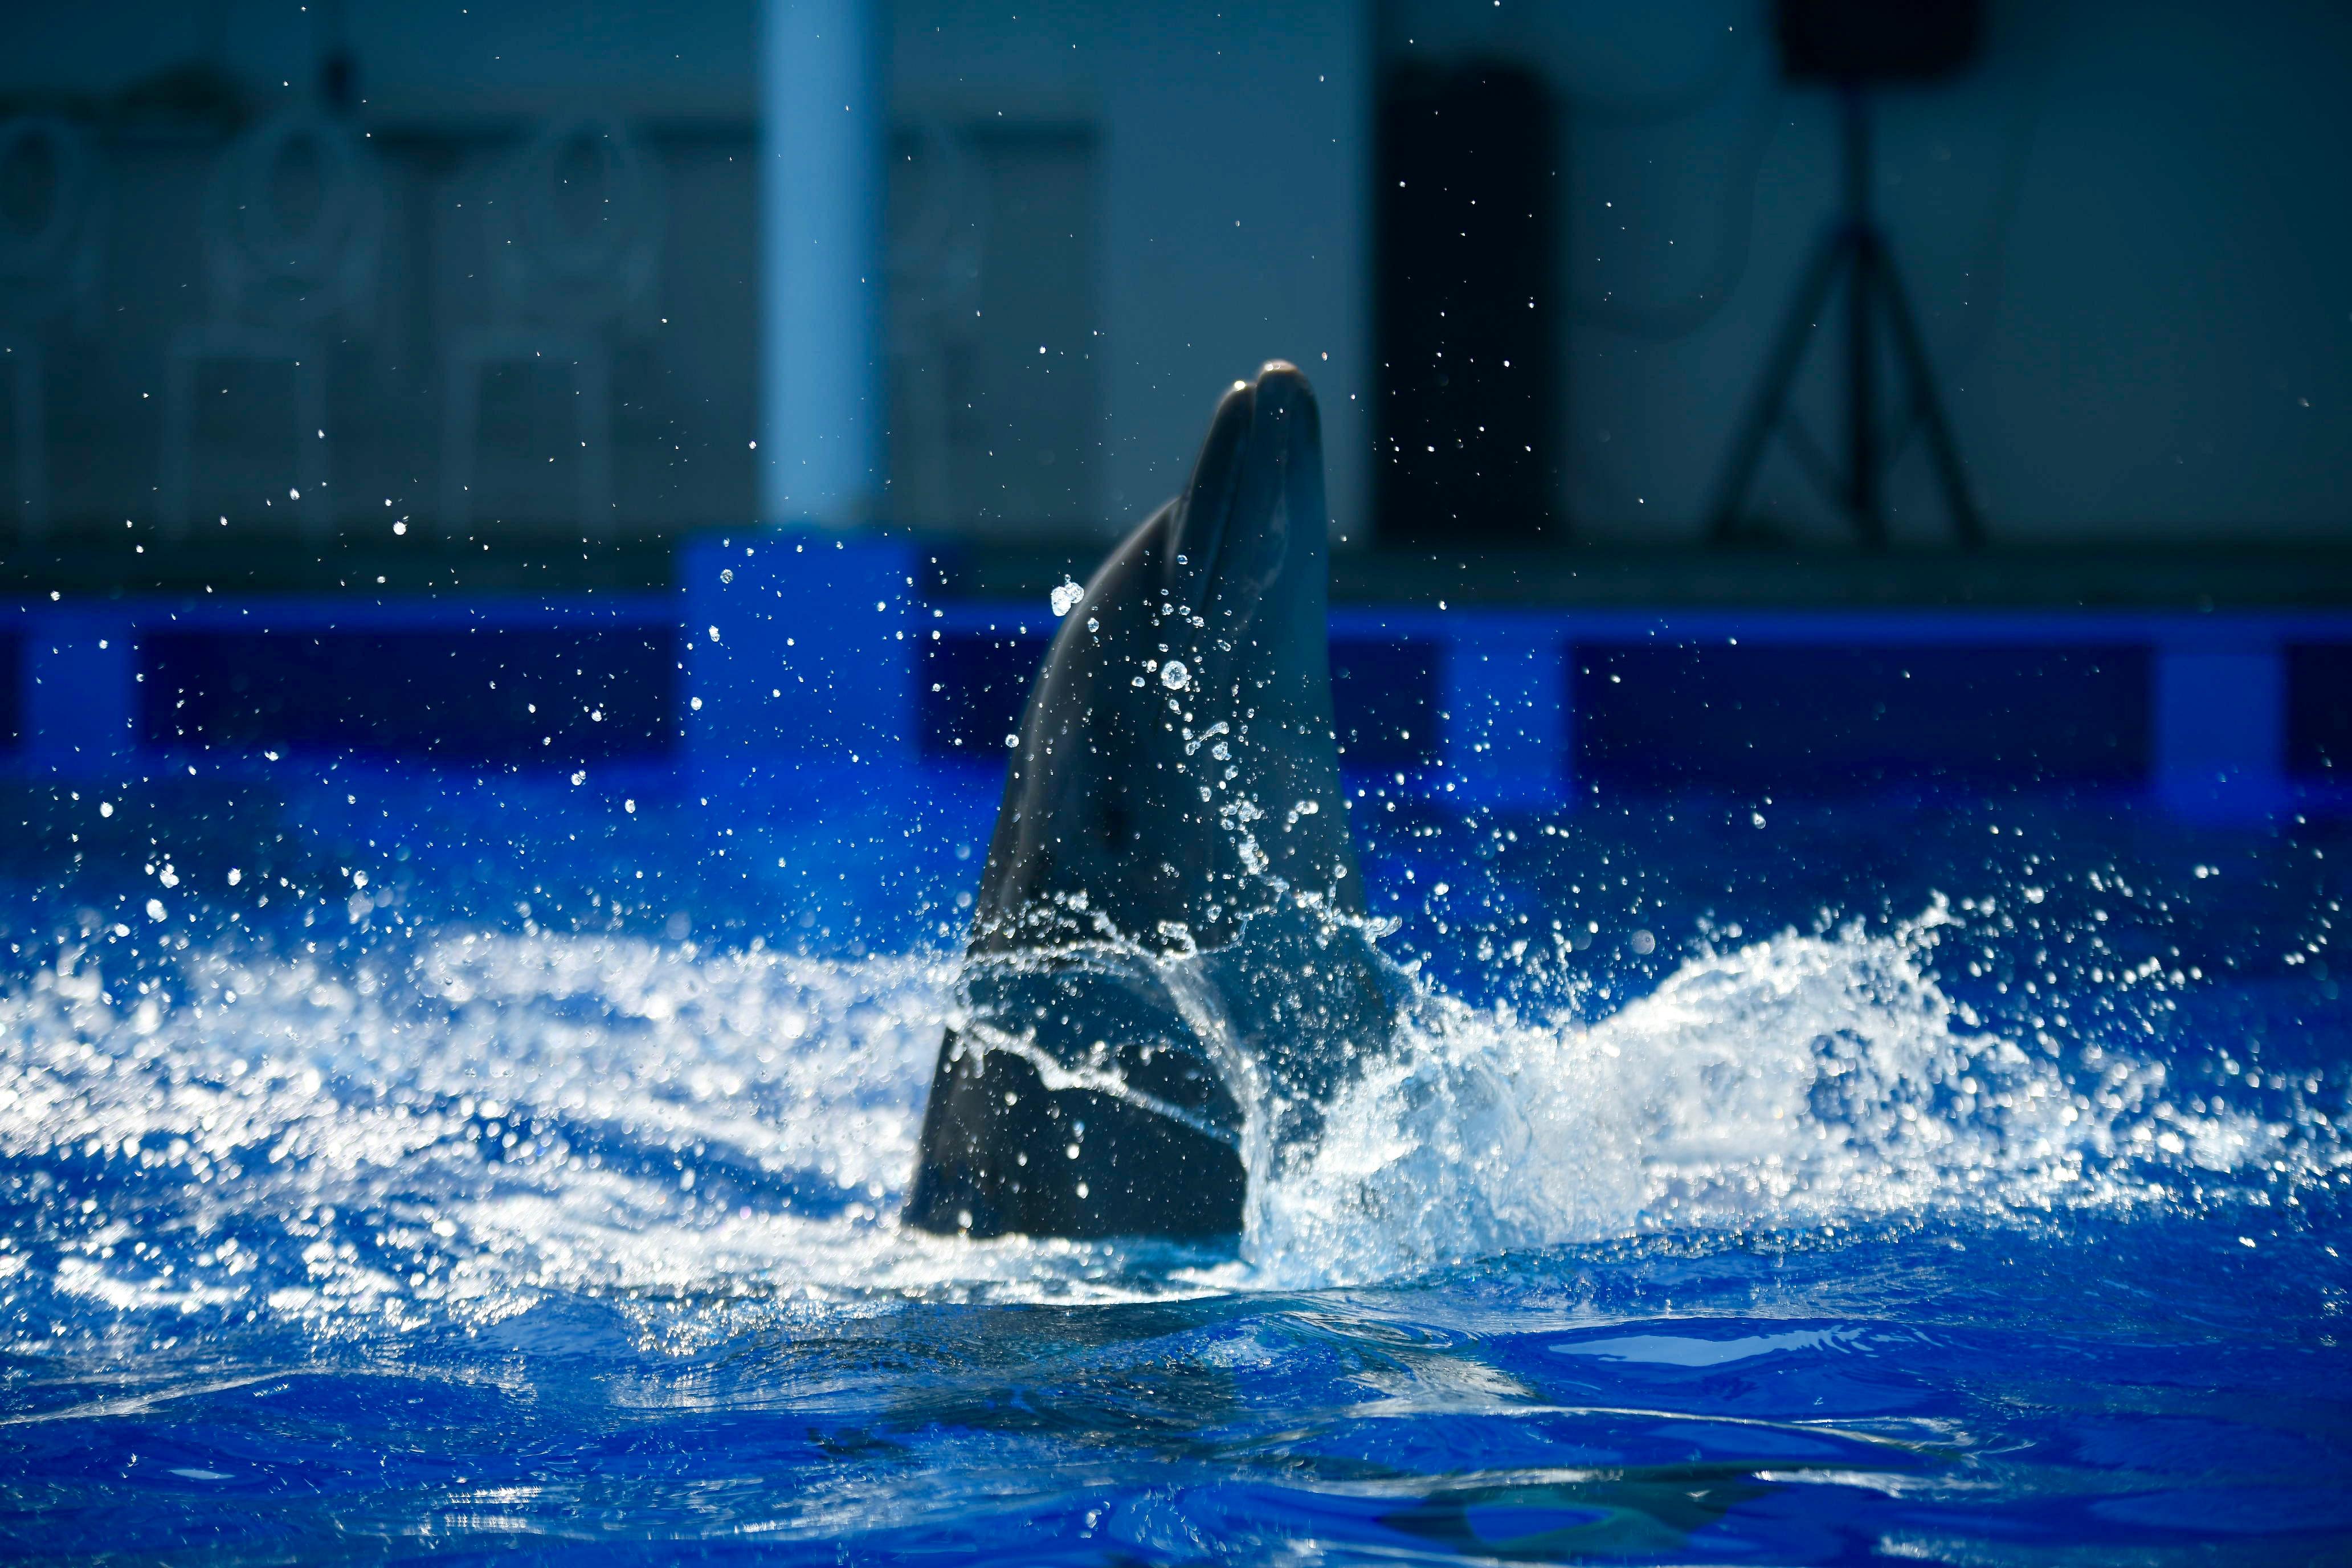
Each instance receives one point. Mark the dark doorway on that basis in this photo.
(1469, 334)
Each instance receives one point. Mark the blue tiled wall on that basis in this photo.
(498, 695)
(1828, 720)
(2319, 711)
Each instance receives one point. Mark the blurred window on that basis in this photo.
(995, 410)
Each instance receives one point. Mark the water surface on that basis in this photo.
(1941, 1178)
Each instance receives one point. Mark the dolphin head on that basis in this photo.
(1245, 554)
(1176, 766)
(1154, 953)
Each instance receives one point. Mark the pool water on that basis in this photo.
(394, 1164)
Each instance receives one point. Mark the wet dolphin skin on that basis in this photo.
(1168, 968)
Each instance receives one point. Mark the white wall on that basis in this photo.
(468, 57)
(1235, 142)
(2125, 229)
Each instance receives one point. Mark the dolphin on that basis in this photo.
(1170, 968)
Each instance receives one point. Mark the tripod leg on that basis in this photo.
(1913, 352)
(1772, 391)
(1865, 496)
(32, 442)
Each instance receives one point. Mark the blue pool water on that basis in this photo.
(1928, 1176)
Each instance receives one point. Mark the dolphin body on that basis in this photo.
(1169, 969)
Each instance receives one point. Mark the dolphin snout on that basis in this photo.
(1253, 517)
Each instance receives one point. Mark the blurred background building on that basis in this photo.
(484, 294)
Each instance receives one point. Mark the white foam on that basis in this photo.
(1791, 1082)
(465, 1125)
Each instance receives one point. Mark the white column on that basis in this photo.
(823, 104)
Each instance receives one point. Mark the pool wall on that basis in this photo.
(781, 649)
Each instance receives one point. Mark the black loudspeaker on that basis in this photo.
(1468, 403)
(1858, 41)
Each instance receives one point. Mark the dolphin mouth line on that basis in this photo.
(1055, 1076)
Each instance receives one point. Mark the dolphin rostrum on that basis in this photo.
(1169, 969)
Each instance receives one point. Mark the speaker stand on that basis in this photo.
(1855, 251)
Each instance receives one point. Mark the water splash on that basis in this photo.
(454, 1128)
(1800, 1080)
